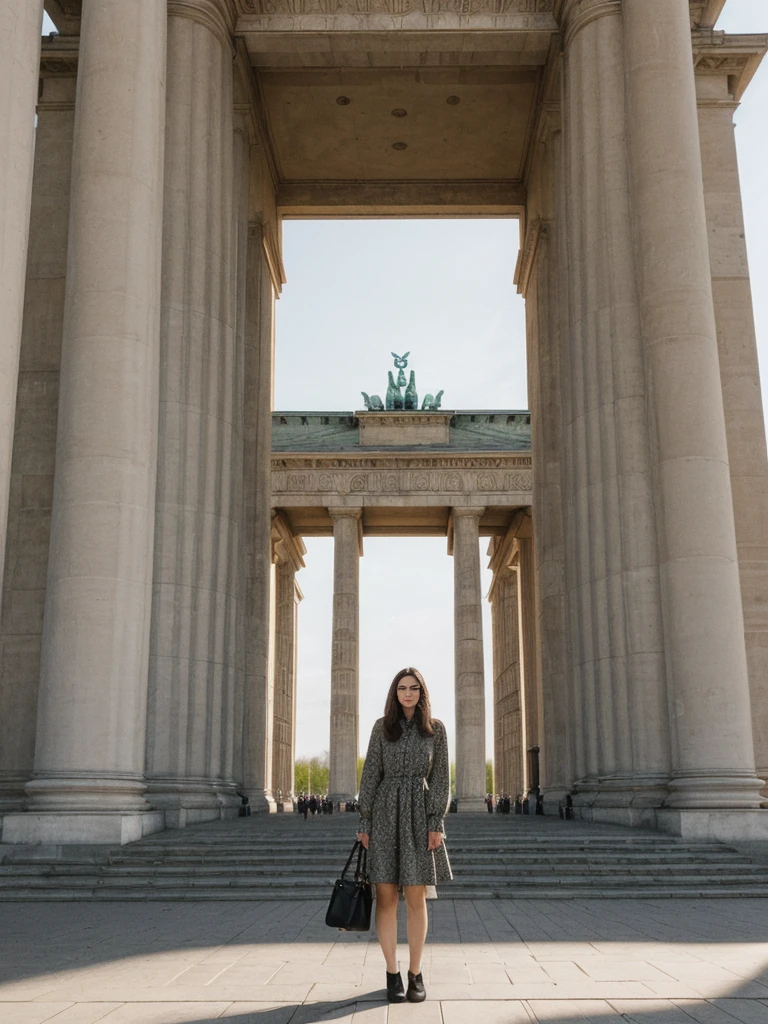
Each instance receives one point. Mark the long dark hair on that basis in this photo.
(393, 709)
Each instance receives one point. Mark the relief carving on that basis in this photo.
(407, 482)
(396, 7)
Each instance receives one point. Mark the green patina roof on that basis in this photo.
(469, 431)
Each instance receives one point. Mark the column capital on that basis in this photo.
(287, 546)
(345, 513)
(340, 514)
(474, 511)
(573, 15)
(217, 15)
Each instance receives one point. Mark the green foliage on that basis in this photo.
(453, 778)
(489, 776)
(360, 763)
(310, 775)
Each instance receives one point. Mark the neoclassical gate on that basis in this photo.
(140, 254)
(459, 475)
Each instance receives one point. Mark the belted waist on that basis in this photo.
(405, 777)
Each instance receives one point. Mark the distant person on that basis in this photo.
(404, 794)
(313, 805)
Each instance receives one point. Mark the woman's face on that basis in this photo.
(409, 691)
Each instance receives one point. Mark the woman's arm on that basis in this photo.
(439, 781)
(373, 770)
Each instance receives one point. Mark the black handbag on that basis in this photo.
(350, 907)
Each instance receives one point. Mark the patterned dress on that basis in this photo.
(404, 793)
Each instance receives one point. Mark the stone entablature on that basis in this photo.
(501, 480)
(465, 431)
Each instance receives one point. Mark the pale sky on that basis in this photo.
(358, 290)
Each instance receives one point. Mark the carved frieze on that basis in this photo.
(398, 7)
(322, 481)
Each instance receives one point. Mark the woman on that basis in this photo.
(404, 793)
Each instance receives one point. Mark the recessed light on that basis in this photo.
(399, 145)
(399, 112)
(453, 100)
(343, 101)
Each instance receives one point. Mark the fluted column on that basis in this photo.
(89, 754)
(703, 622)
(259, 349)
(740, 379)
(529, 642)
(20, 36)
(508, 724)
(193, 667)
(468, 655)
(544, 290)
(616, 642)
(34, 442)
(287, 596)
(345, 657)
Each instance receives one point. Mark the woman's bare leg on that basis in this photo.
(386, 922)
(416, 902)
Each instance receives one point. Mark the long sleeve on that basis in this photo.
(373, 770)
(439, 782)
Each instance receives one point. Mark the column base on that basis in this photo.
(471, 805)
(715, 790)
(86, 794)
(337, 798)
(65, 827)
(762, 773)
(724, 826)
(186, 802)
(553, 798)
(260, 801)
(13, 796)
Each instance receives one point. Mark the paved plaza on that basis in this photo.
(663, 961)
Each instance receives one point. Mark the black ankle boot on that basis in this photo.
(416, 992)
(395, 991)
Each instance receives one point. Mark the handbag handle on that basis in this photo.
(361, 867)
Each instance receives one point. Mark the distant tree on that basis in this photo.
(360, 763)
(301, 775)
(318, 774)
(310, 775)
(453, 778)
(489, 776)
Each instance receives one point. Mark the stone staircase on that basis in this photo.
(283, 857)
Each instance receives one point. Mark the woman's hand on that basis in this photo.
(434, 841)
(364, 839)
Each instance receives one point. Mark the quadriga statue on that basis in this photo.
(396, 400)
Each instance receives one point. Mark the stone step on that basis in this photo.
(460, 857)
(281, 857)
(288, 884)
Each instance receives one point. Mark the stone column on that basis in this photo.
(195, 587)
(20, 37)
(508, 724)
(740, 379)
(529, 643)
(34, 442)
(468, 654)
(259, 360)
(616, 642)
(286, 601)
(89, 756)
(714, 763)
(543, 288)
(345, 658)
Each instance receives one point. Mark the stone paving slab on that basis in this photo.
(603, 961)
